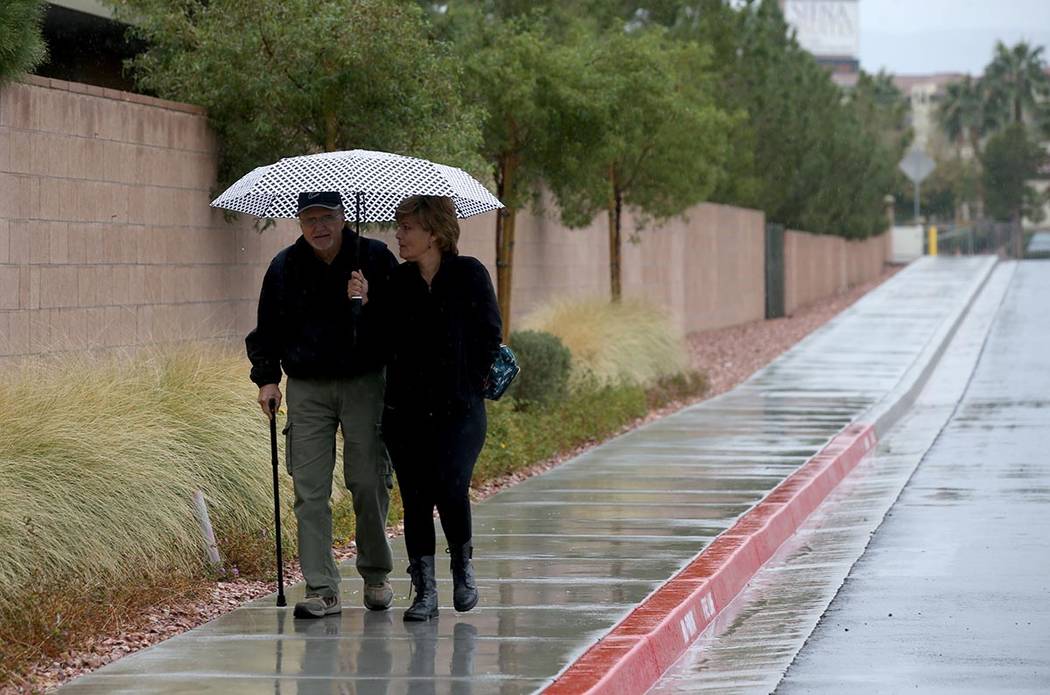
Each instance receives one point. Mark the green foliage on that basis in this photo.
(653, 137)
(624, 342)
(519, 438)
(962, 112)
(807, 156)
(22, 46)
(1011, 157)
(545, 365)
(523, 78)
(285, 77)
(1015, 84)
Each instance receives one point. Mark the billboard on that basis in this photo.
(825, 27)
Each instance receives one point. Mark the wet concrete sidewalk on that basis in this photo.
(563, 557)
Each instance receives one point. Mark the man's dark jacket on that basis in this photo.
(305, 325)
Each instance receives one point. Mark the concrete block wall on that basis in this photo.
(107, 242)
(818, 266)
(106, 238)
(707, 266)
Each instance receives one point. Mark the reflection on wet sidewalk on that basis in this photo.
(371, 661)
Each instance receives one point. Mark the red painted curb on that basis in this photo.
(641, 647)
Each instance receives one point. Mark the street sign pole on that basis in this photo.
(916, 202)
(917, 165)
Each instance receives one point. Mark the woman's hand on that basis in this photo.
(357, 287)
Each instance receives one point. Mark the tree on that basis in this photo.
(22, 46)
(657, 141)
(1016, 83)
(287, 77)
(962, 112)
(1010, 159)
(523, 72)
(883, 108)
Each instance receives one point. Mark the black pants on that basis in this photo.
(434, 455)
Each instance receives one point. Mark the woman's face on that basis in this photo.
(413, 242)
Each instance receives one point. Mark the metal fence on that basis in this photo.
(774, 270)
(980, 237)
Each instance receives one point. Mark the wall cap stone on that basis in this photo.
(114, 94)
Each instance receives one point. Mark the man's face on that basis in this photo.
(322, 229)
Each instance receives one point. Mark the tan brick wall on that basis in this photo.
(106, 238)
(107, 241)
(818, 266)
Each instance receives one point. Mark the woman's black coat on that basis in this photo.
(442, 339)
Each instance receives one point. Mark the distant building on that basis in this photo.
(85, 44)
(830, 30)
(925, 93)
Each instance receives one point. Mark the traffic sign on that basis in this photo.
(917, 165)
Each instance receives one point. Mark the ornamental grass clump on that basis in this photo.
(99, 459)
(629, 341)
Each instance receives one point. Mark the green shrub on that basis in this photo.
(627, 341)
(519, 438)
(545, 363)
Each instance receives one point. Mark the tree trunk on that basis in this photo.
(615, 214)
(505, 219)
(331, 131)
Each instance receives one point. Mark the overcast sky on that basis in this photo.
(926, 36)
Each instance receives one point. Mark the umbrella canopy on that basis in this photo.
(371, 185)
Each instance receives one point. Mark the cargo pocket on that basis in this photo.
(287, 432)
(383, 464)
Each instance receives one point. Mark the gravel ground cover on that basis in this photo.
(727, 356)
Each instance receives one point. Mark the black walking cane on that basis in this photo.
(276, 503)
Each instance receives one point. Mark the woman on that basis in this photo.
(443, 328)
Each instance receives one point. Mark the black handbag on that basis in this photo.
(502, 372)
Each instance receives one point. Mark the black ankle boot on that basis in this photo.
(425, 604)
(465, 589)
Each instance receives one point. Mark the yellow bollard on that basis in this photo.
(933, 240)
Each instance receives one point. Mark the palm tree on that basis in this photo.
(1016, 83)
(962, 112)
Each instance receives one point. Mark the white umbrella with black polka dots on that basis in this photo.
(371, 185)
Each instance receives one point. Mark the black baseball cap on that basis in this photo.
(322, 199)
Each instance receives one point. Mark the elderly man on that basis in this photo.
(332, 356)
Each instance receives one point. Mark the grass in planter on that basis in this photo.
(98, 463)
(614, 342)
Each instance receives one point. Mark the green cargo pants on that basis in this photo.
(316, 407)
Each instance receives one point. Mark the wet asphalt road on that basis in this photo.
(953, 592)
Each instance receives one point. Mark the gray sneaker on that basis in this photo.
(378, 597)
(318, 607)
